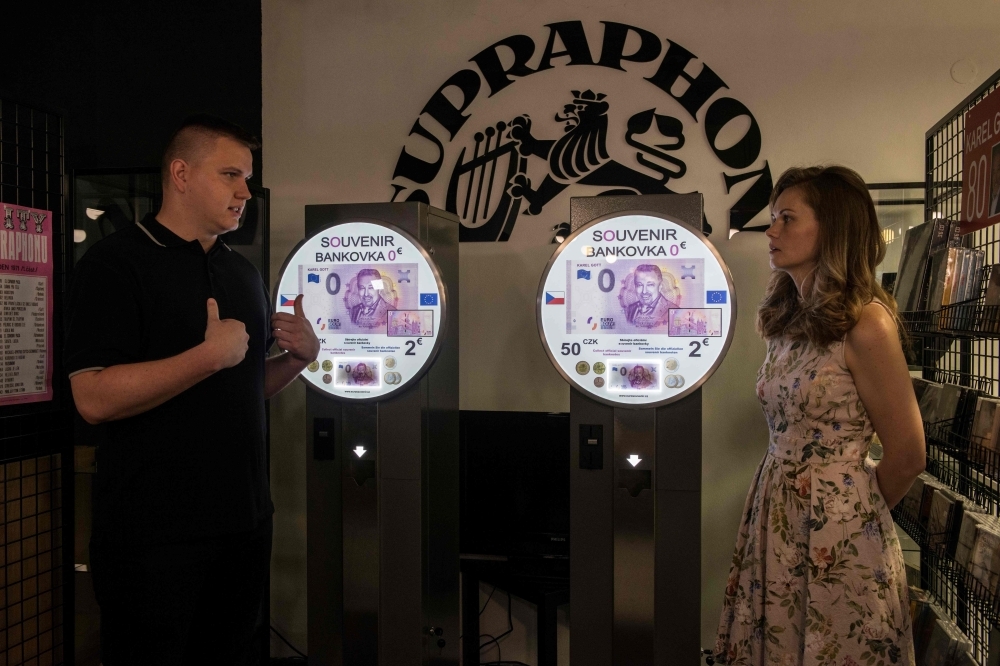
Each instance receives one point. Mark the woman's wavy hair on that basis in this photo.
(850, 248)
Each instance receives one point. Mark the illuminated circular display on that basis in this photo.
(636, 309)
(376, 303)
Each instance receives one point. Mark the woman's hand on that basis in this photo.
(875, 358)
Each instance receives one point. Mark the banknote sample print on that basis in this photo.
(696, 322)
(357, 298)
(362, 372)
(411, 323)
(634, 376)
(631, 295)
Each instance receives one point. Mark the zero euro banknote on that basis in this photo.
(357, 372)
(631, 295)
(634, 376)
(356, 298)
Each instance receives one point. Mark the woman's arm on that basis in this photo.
(875, 358)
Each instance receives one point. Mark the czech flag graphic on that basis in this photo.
(555, 298)
(288, 300)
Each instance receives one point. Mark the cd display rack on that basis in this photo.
(958, 344)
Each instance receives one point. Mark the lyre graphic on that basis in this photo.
(39, 220)
(483, 185)
(496, 173)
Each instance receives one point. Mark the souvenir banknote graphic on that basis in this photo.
(411, 323)
(357, 372)
(698, 322)
(634, 376)
(631, 295)
(357, 298)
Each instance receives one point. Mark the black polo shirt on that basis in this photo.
(195, 465)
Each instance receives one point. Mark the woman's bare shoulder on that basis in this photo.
(874, 329)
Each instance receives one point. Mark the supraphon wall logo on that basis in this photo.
(593, 128)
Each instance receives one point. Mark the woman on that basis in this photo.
(818, 575)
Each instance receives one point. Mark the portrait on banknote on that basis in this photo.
(631, 295)
(357, 298)
(357, 372)
(634, 376)
(695, 322)
(411, 323)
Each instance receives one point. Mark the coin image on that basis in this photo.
(396, 378)
(674, 381)
(598, 382)
(599, 368)
(390, 362)
(328, 366)
(671, 364)
(327, 379)
(313, 367)
(582, 368)
(392, 378)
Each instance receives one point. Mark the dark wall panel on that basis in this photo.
(126, 73)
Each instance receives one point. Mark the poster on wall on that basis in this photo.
(981, 165)
(636, 309)
(26, 301)
(377, 305)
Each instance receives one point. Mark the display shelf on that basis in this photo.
(971, 318)
(971, 606)
(958, 344)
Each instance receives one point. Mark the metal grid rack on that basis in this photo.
(959, 344)
(36, 438)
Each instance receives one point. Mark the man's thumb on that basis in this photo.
(298, 307)
(213, 310)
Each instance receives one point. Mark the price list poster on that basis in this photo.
(26, 304)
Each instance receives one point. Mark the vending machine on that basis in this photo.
(636, 310)
(380, 287)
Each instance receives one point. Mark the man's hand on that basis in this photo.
(294, 334)
(225, 338)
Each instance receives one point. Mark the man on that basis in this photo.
(652, 308)
(167, 339)
(372, 311)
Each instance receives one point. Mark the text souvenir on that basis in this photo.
(636, 309)
(981, 165)
(376, 303)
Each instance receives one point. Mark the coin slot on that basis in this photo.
(591, 446)
(324, 437)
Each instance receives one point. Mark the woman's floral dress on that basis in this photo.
(818, 575)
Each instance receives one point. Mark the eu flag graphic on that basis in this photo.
(312, 277)
(715, 296)
(582, 274)
(428, 299)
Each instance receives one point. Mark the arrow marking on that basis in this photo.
(634, 459)
(360, 450)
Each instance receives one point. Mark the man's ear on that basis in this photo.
(179, 171)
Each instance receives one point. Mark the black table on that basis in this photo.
(543, 581)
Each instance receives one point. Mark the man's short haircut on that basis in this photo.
(648, 268)
(370, 273)
(194, 132)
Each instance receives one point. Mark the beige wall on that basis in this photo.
(850, 82)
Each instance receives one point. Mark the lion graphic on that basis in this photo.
(580, 155)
